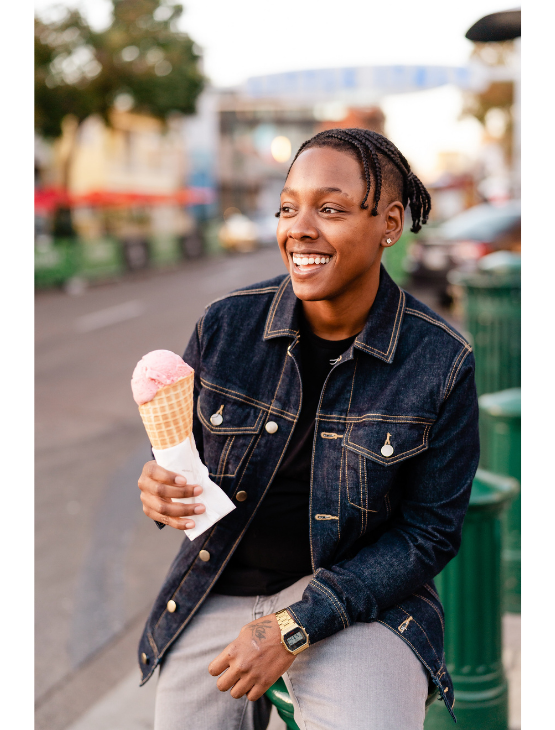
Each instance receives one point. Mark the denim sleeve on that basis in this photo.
(424, 533)
(192, 358)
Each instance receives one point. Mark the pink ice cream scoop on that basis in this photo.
(155, 370)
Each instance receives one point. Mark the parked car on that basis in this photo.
(461, 242)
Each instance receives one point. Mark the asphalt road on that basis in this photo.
(99, 560)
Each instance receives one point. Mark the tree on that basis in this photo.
(141, 61)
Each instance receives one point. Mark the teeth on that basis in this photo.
(306, 260)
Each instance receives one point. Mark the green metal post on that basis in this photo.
(470, 589)
(500, 453)
(279, 696)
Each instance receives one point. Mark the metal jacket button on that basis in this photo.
(271, 427)
(172, 606)
(241, 496)
(216, 419)
(144, 658)
(204, 555)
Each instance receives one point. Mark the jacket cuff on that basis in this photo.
(320, 612)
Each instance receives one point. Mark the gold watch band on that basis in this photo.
(286, 623)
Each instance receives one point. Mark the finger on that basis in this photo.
(154, 471)
(171, 509)
(256, 692)
(179, 523)
(167, 491)
(242, 687)
(220, 663)
(228, 679)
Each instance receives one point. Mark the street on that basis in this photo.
(99, 560)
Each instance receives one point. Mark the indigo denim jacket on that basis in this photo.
(395, 452)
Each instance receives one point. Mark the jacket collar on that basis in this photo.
(380, 334)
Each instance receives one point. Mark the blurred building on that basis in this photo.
(115, 171)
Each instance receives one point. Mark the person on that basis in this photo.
(339, 414)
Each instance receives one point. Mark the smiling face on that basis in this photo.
(331, 246)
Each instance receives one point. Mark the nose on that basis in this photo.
(302, 227)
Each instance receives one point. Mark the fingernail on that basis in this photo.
(198, 509)
(180, 480)
(197, 491)
(190, 524)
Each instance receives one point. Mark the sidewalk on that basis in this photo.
(130, 707)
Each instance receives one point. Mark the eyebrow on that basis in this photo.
(321, 191)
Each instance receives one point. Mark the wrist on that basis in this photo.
(294, 637)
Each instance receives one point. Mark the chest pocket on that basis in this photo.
(230, 427)
(374, 451)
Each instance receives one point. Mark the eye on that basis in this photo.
(285, 209)
(330, 209)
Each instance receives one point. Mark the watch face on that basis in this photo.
(295, 639)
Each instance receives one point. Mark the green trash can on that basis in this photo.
(491, 304)
(164, 249)
(56, 262)
(470, 589)
(101, 259)
(500, 453)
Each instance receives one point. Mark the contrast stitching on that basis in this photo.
(152, 644)
(218, 474)
(453, 366)
(334, 601)
(433, 606)
(394, 332)
(400, 457)
(455, 374)
(402, 636)
(378, 418)
(273, 309)
(234, 394)
(437, 323)
(230, 430)
(243, 292)
(224, 454)
(199, 328)
(421, 629)
(429, 587)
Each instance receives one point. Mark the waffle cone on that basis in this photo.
(168, 417)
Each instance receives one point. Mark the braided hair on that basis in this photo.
(382, 161)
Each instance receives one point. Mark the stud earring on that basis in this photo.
(388, 240)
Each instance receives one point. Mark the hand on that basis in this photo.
(158, 486)
(254, 661)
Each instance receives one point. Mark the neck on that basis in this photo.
(345, 315)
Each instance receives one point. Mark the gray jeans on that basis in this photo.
(362, 678)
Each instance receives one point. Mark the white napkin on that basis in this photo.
(184, 459)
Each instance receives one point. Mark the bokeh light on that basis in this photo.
(281, 149)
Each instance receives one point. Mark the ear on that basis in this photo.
(394, 219)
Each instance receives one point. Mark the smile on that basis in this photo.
(300, 260)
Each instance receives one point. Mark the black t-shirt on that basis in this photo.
(275, 550)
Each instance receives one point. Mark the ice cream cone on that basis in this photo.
(168, 417)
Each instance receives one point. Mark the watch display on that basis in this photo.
(294, 639)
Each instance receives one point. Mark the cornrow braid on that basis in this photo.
(369, 146)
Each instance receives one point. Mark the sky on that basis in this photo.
(250, 37)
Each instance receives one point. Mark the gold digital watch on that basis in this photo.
(293, 637)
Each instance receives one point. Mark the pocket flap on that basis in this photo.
(388, 441)
(224, 414)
